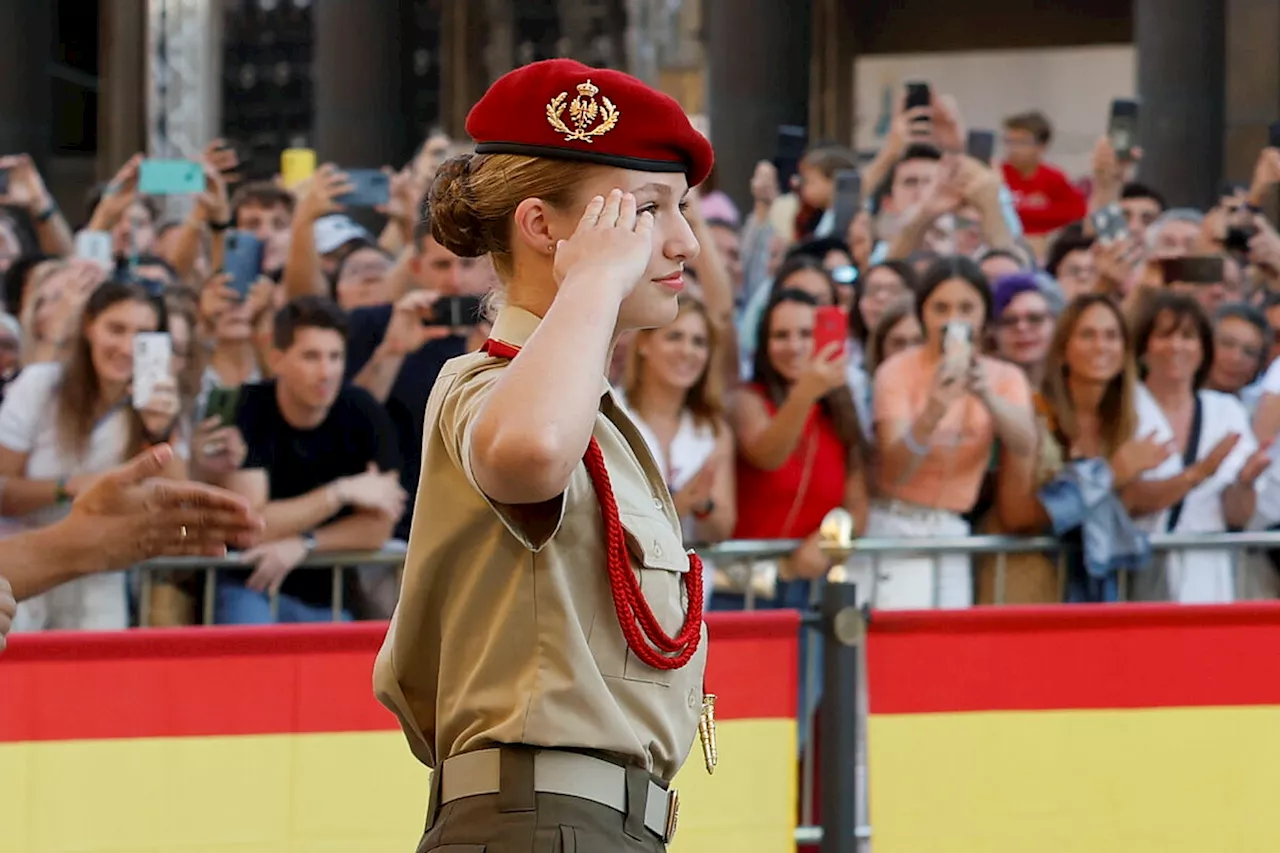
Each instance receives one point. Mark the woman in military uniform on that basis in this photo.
(546, 657)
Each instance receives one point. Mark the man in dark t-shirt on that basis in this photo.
(393, 355)
(322, 465)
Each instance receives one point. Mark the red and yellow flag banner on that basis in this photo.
(1125, 728)
(266, 740)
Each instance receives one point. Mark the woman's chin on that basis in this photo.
(653, 312)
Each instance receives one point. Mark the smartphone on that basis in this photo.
(1122, 128)
(296, 166)
(831, 326)
(372, 188)
(1273, 135)
(957, 343)
(152, 354)
(848, 197)
(1196, 269)
(223, 403)
(981, 146)
(242, 259)
(96, 246)
(792, 140)
(1109, 223)
(170, 177)
(918, 94)
(456, 311)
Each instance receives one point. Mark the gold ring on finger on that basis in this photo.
(182, 531)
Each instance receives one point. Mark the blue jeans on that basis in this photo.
(236, 604)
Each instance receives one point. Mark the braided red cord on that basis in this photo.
(639, 626)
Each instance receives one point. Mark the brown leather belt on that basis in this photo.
(571, 774)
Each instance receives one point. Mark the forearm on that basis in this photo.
(995, 228)
(298, 515)
(899, 458)
(361, 531)
(400, 278)
(39, 560)
(54, 235)
(770, 450)
(187, 247)
(532, 431)
(23, 496)
(302, 275)
(1014, 426)
(717, 290)
(910, 237)
(395, 235)
(1104, 193)
(1144, 497)
(380, 372)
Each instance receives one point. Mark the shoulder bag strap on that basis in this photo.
(1188, 459)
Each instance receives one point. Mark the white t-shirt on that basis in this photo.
(29, 424)
(1199, 576)
(690, 449)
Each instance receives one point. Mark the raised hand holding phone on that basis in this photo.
(826, 371)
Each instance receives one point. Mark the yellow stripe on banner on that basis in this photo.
(1168, 780)
(327, 793)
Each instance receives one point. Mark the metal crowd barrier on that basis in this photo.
(835, 626)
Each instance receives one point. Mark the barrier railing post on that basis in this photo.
(842, 631)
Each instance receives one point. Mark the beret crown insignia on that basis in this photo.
(589, 118)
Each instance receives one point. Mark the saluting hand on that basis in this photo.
(611, 241)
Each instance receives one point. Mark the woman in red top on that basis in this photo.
(799, 443)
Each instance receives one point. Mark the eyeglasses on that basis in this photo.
(1033, 319)
(1249, 351)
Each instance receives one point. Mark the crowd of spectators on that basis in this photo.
(1020, 351)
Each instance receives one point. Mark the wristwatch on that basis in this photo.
(308, 541)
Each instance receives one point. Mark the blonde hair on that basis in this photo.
(705, 400)
(1117, 410)
(473, 197)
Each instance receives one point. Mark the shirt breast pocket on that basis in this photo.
(657, 554)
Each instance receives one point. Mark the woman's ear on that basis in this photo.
(533, 226)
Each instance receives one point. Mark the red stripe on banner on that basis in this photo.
(1074, 657)
(753, 663)
(289, 679)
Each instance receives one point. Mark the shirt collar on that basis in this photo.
(515, 326)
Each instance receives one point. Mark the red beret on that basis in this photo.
(564, 110)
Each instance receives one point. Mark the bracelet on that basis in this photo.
(219, 226)
(60, 493)
(916, 448)
(48, 213)
(705, 510)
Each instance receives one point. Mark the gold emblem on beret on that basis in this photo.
(590, 119)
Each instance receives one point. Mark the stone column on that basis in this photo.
(1181, 84)
(757, 54)
(26, 89)
(359, 122)
(1252, 83)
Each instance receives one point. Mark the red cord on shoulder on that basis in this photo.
(644, 635)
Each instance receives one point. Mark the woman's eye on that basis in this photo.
(684, 206)
(651, 207)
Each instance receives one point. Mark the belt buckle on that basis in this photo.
(673, 815)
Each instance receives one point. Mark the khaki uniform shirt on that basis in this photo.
(505, 632)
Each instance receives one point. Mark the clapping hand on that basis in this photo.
(130, 516)
(1137, 456)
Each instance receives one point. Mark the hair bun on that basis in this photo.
(450, 208)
